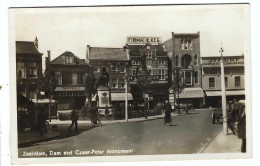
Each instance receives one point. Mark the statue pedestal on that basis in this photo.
(104, 100)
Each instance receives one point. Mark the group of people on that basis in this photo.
(236, 121)
(94, 118)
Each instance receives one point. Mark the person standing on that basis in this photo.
(168, 110)
(74, 120)
(242, 128)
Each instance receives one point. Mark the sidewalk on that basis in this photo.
(57, 122)
(34, 137)
(224, 144)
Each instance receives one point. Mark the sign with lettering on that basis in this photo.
(143, 40)
(228, 61)
(70, 88)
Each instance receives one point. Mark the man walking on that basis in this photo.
(74, 119)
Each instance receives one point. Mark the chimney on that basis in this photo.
(49, 55)
(36, 42)
(87, 53)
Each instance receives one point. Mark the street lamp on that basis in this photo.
(223, 93)
(126, 96)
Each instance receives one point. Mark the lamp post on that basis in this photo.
(36, 107)
(223, 93)
(126, 96)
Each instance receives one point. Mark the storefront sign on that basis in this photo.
(70, 88)
(144, 40)
(228, 61)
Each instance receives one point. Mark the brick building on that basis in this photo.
(115, 62)
(156, 61)
(28, 67)
(184, 52)
(70, 72)
(234, 78)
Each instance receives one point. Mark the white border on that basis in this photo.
(4, 81)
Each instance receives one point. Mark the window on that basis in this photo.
(114, 83)
(196, 79)
(122, 69)
(149, 53)
(161, 62)
(211, 82)
(69, 59)
(188, 77)
(58, 78)
(135, 62)
(113, 67)
(122, 82)
(186, 44)
(21, 70)
(237, 81)
(195, 60)
(32, 94)
(226, 82)
(32, 70)
(161, 74)
(74, 78)
(134, 72)
(177, 60)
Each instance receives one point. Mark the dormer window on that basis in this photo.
(69, 59)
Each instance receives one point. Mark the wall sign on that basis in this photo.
(143, 40)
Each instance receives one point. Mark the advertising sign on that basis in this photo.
(143, 40)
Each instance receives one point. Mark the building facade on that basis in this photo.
(70, 73)
(184, 52)
(28, 68)
(234, 78)
(115, 62)
(156, 61)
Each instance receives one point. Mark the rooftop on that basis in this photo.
(26, 47)
(105, 53)
(61, 59)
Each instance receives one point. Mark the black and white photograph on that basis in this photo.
(153, 81)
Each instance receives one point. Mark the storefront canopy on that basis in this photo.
(116, 97)
(228, 93)
(43, 101)
(191, 93)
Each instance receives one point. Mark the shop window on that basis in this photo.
(114, 83)
(21, 70)
(58, 77)
(177, 60)
(161, 74)
(211, 82)
(74, 78)
(237, 81)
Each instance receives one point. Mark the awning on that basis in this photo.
(191, 93)
(116, 97)
(228, 93)
(120, 96)
(43, 101)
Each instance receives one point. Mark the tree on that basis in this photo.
(90, 85)
(48, 84)
(178, 84)
(144, 79)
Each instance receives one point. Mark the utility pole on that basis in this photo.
(126, 96)
(223, 92)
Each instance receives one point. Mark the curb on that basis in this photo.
(25, 144)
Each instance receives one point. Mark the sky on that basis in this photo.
(71, 29)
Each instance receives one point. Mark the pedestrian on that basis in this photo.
(231, 119)
(242, 128)
(167, 109)
(98, 116)
(187, 108)
(74, 120)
